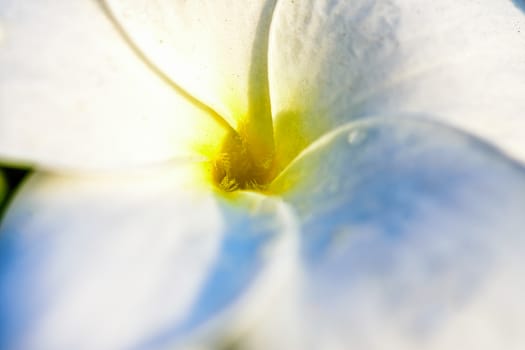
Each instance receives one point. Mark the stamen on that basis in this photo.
(235, 167)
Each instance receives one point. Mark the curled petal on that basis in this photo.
(216, 50)
(413, 238)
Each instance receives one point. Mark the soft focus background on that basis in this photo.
(13, 178)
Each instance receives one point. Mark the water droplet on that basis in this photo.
(355, 137)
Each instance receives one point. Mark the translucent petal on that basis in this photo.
(146, 260)
(74, 94)
(460, 62)
(216, 50)
(413, 238)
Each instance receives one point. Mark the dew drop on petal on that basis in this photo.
(355, 137)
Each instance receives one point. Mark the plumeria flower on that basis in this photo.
(314, 174)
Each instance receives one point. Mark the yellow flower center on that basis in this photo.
(235, 167)
(251, 157)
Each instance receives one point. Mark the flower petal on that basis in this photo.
(413, 238)
(74, 94)
(142, 261)
(216, 50)
(461, 62)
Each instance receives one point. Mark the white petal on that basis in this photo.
(413, 238)
(74, 94)
(459, 61)
(216, 50)
(142, 261)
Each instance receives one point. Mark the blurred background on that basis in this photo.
(10, 179)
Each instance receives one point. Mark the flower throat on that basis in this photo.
(237, 168)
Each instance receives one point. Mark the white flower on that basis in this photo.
(369, 209)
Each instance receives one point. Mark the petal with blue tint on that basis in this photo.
(136, 261)
(412, 238)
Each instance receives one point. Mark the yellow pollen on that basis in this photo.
(236, 168)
